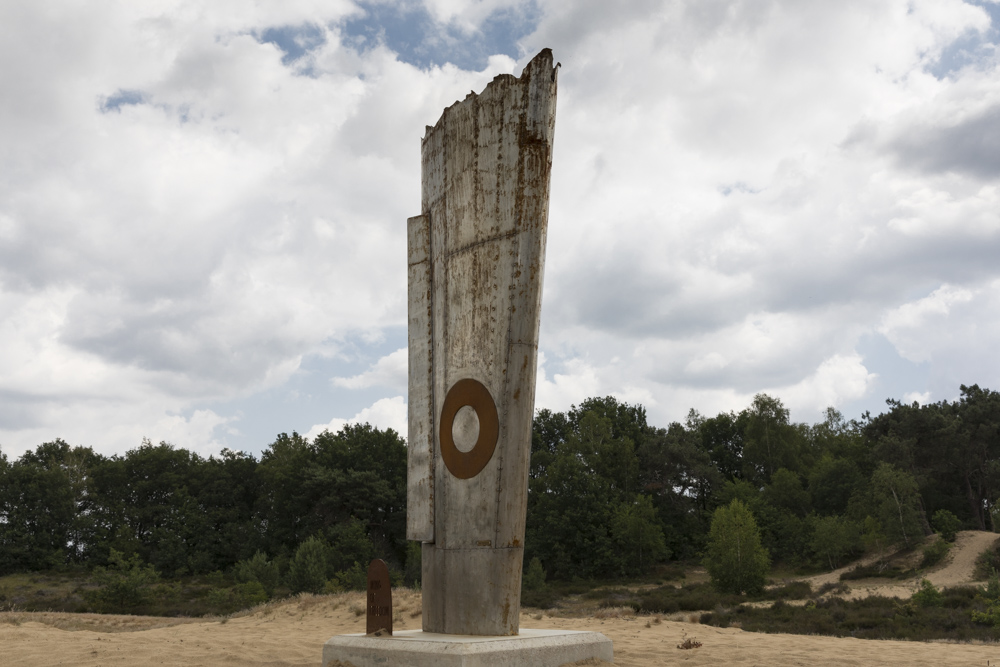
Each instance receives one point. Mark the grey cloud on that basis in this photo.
(971, 146)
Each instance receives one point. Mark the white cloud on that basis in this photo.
(741, 191)
(384, 413)
(390, 372)
(917, 397)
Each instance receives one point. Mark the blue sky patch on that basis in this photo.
(122, 98)
(294, 41)
(972, 46)
(410, 31)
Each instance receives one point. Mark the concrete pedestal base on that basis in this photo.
(414, 648)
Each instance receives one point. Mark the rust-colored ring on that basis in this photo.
(466, 465)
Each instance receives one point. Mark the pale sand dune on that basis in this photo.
(955, 570)
(292, 632)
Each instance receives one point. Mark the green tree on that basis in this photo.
(833, 538)
(638, 536)
(261, 570)
(307, 571)
(570, 508)
(947, 524)
(898, 504)
(785, 492)
(832, 482)
(735, 559)
(124, 584)
(770, 442)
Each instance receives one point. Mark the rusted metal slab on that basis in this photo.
(379, 604)
(476, 259)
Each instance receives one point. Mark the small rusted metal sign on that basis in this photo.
(379, 599)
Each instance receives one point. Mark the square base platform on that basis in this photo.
(414, 648)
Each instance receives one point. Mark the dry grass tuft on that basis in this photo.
(615, 612)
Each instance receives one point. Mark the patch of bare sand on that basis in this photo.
(293, 632)
(955, 570)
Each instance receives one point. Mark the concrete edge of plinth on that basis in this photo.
(535, 648)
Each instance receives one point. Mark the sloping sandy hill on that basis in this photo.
(955, 570)
(292, 632)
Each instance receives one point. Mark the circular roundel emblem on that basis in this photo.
(472, 393)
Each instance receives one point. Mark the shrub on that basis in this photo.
(988, 561)
(240, 596)
(876, 571)
(833, 538)
(928, 595)
(307, 569)
(412, 569)
(990, 597)
(796, 590)
(534, 591)
(934, 552)
(735, 560)
(354, 578)
(947, 524)
(124, 584)
(260, 570)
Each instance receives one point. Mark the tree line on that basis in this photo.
(610, 495)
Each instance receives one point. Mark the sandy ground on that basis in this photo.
(292, 632)
(955, 570)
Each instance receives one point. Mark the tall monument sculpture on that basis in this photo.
(475, 259)
(476, 255)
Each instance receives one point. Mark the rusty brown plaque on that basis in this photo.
(466, 465)
(379, 598)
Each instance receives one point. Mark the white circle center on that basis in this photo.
(465, 428)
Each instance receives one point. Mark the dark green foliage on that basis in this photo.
(988, 562)
(833, 539)
(947, 524)
(241, 596)
(123, 585)
(260, 570)
(412, 572)
(832, 482)
(307, 571)
(735, 560)
(534, 591)
(895, 499)
(934, 553)
(572, 505)
(989, 596)
(867, 618)
(691, 597)
(353, 578)
(876, 571)
(928, 595)
(349, 544)
(610, 496)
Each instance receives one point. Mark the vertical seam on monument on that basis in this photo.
(431, 380)
(444, 300)
(519, 211)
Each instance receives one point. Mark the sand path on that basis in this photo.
(955, 570)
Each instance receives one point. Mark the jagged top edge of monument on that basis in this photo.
(543, 56)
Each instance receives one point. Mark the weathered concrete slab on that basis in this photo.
(414, 648)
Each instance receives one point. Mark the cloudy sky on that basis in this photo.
(203, 206)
